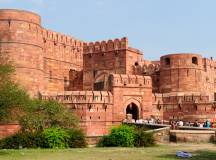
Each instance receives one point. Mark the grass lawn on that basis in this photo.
(162, 152)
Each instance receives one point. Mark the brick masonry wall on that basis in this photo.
(179, 86)
(21, 41)
(8, 129)
(43, 58)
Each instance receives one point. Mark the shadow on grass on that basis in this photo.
(198, 155)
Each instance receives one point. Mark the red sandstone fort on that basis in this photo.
(103, 81)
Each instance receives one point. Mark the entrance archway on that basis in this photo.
(133, 110)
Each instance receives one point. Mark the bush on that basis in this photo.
(122, 136)
(49, 138)
(143, 139)
(127, 136)
(76, 138)
(105, 141)
(22, 140)
(56, 138)
(43, 114)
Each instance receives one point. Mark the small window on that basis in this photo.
(194, 60)
(136, 63)
(167, 61)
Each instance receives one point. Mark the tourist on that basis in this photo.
(145, 121)
(151, 121)
(208, 124)
(196, 124)
(125, 121)
(201, 125)
(187, 124)
(139, 121)
(180, 123)
(173, 125)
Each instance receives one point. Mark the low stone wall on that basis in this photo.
(196, 128)
(194, 136)
(161, 135)
(8, 129)
(93, 140)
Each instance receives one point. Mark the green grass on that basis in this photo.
(162, 152)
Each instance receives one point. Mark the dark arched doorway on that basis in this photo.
(133, 110)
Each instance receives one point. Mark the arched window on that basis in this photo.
(195, 60)
(167, 61)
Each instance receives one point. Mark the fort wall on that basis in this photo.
(103, 81)
(111, 57)
(93, 108)
(43, 58)
(181, 73)
(62, 54)
(21, 41)
(129, 90)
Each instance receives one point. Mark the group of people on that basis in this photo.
(143, 121)
(179, 123)
(174, 124)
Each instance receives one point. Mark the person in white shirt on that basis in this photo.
(181, 123)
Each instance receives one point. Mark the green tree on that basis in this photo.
(33, 114)
(47, 114)
(13, 99)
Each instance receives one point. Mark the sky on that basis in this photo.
(156, 27)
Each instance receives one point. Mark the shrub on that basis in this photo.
(143, 139)
(127, 136)
(76, 138)
(47, 114)
(13, 99)
(56, 138)
(105, 141)
(22, 140)
(122, 136)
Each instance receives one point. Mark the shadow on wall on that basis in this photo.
(198, 155)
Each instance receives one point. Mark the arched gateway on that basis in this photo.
(133, 110)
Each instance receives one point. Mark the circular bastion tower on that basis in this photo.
(181, 73)
(21, 40)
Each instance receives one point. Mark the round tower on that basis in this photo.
(181, 73)
(21, 40)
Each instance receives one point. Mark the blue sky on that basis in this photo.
(156, 27)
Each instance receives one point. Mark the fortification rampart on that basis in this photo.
(85, 97)
(106, 46)
(181, 73)
(62, 54)
(21, 41)
(123, 80)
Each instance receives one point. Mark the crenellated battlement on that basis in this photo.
(125, 80)
(106, 46)
(146, 67)
(58, 38)
(84, 97)
(209, 63)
